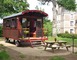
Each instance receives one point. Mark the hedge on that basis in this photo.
(67, 35)
(0, 31)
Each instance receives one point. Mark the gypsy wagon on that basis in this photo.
(24, 27)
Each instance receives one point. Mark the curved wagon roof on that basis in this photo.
(29, 13)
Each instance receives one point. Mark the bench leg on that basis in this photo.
(46, 46)
(52, 49)
(31, 44)
(67, 48)
(58, 48)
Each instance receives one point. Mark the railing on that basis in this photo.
(45, 32)
(25, 31)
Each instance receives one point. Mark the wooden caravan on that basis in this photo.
(25, 27)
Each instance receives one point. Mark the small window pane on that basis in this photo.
(13, 23)
(24, 22)
(71, 23)
(71, 30)
(7, 23)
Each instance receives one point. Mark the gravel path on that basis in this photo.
(37, 51)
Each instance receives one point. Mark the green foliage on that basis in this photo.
(57, 58)
(48, 26)
(68, 40)
(0, 31)
(8, 7)
(67, 35)
(64, 35)
(67, 4)
(4, 55)
(66, 31)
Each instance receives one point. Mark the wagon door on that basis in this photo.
(39, 32)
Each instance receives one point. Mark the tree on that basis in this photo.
(8, 7)
(39, 8)
(67, 4)
(48, 26)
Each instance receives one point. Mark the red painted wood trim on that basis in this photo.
(35, 11)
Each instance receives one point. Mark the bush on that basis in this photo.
(0, 31)
(67, 35)
(48, 25)
(66, 31)
(74, 36)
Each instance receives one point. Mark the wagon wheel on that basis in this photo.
(17, 43)
(13, 41)
(7, 40)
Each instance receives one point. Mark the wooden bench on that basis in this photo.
(66, 46)
(54, 47)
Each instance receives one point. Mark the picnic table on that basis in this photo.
(57, 44)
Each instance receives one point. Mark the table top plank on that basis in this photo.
(60, 41)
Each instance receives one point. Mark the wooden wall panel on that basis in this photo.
(11, 33)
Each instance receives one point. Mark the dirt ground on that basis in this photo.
(18, 56)
(36, 53)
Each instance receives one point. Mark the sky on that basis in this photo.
(1, 21)
(47, 8)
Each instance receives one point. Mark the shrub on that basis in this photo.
(74, 36)
(48, 25)
(67, 35)
(66, 31)
(0, 31)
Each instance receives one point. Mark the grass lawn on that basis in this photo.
(69, 40)
(1, 38)
(3, 53)
(57, 58)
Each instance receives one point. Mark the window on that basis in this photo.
(72, 16)
(24, 22)
(71, 23)
(13, 23)
(71, 30)
(39, 23)
(7, 23)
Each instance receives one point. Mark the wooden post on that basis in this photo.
(72, 43)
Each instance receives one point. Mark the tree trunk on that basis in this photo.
(54, 28)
